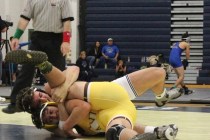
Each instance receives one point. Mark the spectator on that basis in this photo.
(120, 69)
(85, 72)
(110, 53)
(94, 54)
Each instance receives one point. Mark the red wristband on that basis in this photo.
(66, 36)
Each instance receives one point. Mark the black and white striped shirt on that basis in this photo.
(47, 15)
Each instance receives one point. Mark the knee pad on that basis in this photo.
(113, 133)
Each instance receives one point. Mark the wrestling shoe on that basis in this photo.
(187, 91)
(26, 57)
(175, 93)
(166, 132)
(169, 95)
(145, 136)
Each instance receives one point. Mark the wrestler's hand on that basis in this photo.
(60, 93)
(65, 48)
(72, 134)
(60, 133)
(185, 63)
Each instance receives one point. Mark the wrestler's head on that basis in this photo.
(186, 37)
(47, 116)
(31, 98)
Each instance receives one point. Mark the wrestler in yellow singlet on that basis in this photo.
(109, 100)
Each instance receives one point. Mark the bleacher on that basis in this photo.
(143, 28)
(139, 28)
(204, 74)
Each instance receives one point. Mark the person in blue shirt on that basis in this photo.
(176, 62)
(110, 53)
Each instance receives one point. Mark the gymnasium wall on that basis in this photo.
(11, 9)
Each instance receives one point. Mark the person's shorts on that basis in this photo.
(175, 63)
(127, 85)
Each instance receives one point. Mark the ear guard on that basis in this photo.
(47, 126)
(186, 37)
(37, 117)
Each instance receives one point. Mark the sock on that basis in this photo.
(149, 129)
(45, 67)
(162, 94)
(173, 87)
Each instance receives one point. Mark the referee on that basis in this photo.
(52, 33)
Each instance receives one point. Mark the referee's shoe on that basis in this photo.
(10, 109)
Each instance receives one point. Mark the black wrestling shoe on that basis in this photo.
(114, 132)
(26, 57)
(145, 136)
(11, 109)
(187, 91)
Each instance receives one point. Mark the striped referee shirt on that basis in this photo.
(47, 15)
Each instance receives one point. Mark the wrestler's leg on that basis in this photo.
(53, 75)
(153, 78)
(180, 74)
(150, 78)
(162, 132)
(123, 130)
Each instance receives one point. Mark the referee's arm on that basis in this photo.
(23, 23)
(67, 26)
(65, 46)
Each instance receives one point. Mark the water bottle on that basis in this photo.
(128, 58)
(142, 59)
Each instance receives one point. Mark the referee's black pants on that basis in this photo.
(42, 41)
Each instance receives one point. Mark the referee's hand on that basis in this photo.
(14, 44)
(65, 48)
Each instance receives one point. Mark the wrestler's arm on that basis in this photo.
(187, 51)
(72, 74)
(78, 110)
(60, 93)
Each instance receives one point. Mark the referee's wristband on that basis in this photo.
(66, 36)
(18, 33)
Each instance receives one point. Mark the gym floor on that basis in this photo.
(192, 120)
